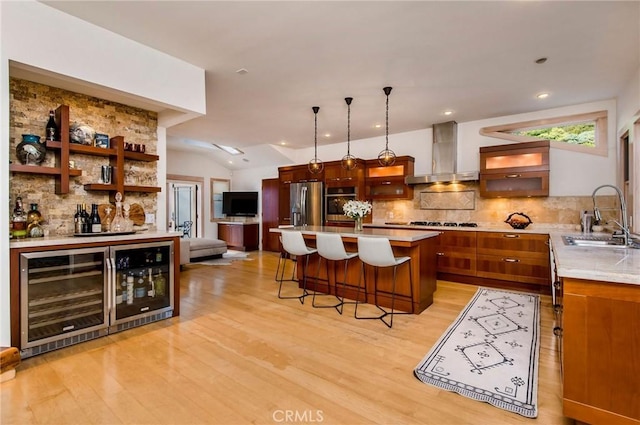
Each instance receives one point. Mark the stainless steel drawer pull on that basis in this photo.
(385, 183)
(512, 176)
(510, 235)
(441, 254)
(510, 260)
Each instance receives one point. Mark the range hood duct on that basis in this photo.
(444, 158)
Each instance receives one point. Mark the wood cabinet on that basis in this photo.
(63, 149)
(336, 176)
(389, 182)
(457, 252)
(517, 257)
(239, 236)
(601, 351)
(520, 169)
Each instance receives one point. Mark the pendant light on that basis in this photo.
(387, 157)
(349, 161)
(315, 165)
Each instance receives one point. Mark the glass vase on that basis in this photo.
(358, 224)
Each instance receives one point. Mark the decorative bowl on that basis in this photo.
(518, 220)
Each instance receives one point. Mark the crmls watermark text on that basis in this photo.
(297, 416)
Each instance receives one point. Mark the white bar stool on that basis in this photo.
(331, 248)
(377, 252)
(294, 245)
(283, 254)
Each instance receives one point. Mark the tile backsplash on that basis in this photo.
(544, 211)
(29, 109)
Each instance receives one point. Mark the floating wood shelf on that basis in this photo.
(62, 148)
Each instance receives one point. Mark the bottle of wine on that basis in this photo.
(77, 220)
(94, 218)
(51, 129)
(86, 224)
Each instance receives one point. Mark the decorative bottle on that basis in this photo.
(51, 130)
(118, 224)
(34, 220)
(19, 220)
(160, 284)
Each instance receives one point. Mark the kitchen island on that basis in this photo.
(419, 245)
(597, 306)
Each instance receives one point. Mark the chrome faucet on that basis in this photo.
(624, 226)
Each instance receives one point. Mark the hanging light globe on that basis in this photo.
(315, 165)
(387, 157)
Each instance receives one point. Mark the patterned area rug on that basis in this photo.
(490, 352)
(227, 258)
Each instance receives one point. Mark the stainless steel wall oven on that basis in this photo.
(335, 198)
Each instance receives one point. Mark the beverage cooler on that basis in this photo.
(75, 295)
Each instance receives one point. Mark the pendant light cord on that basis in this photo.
(348, 128)
(315, 133)
(386, 146)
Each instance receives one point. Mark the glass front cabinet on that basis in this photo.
(71, 296)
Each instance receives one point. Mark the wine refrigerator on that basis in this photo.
(71, 296)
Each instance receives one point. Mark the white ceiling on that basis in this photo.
(475, 58)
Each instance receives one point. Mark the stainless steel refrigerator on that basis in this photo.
(306, 204)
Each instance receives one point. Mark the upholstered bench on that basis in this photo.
(200, 248)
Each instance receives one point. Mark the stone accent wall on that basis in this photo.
(29, 111)
(559, 211)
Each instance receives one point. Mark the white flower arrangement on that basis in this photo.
(356, 209)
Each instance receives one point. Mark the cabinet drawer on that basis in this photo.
(514, 243)
(514, 268)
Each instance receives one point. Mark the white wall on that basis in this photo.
(89, 56)
(196, 164)
(571, 174)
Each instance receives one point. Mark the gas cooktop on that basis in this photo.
(446, 224)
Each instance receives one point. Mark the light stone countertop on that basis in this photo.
(500, 227)
(393, 234)
(606, 264)
(73, 240)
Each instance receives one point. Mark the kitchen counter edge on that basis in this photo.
(73, 240)
(393, 234)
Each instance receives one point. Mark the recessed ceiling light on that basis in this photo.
(283, 143)
(542, 95)
(230, 162)
(242, 71)
(541, 61)
(378, 125)
(448, 112)
(327, 135)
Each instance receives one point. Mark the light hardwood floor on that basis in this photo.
(240, 355)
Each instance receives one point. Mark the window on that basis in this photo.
(217, 187)
(585, 133)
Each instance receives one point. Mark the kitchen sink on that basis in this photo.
(596, 241)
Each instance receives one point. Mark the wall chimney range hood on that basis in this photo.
(444, 160)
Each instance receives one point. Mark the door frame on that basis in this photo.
(198, 227)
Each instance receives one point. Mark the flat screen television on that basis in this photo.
(240, 204)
